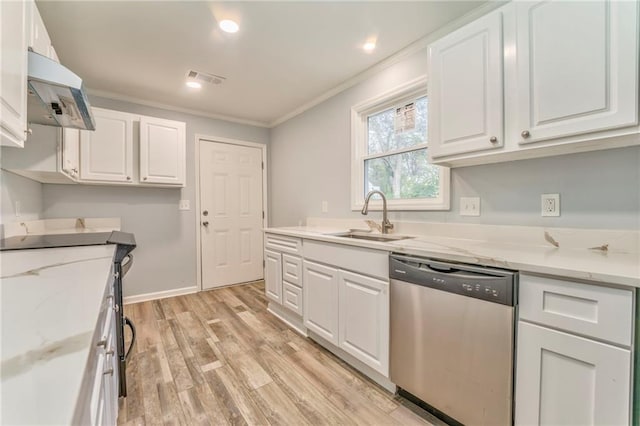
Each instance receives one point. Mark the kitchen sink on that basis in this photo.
(372, 237)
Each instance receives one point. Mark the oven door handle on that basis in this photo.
(128, 322)
(126, 263)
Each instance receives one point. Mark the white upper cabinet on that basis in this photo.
(577, 67)
(534, 79)
(466, 89)
(106, 154)
(39, 40)
(162, 151)
(13, 73)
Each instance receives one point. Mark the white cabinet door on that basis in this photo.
(273, 275)
(13, 73)
(321, 300)
(364, 319)
(563, 379)
(466, 89)
(39, 39)
(162, 151)
(70, 152)
(106, 154)
(577, 67)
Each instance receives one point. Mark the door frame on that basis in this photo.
(217, 139)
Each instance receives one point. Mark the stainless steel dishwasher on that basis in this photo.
(452, 338)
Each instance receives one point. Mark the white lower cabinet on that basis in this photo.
(574, 353)
(563, 379)
(364, 319)
(273, 275)
(321, 300)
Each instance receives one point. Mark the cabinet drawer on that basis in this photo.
(292, 297)
(284, 244)
(601, 312)
(292, 269)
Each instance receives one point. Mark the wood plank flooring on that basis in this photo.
(219, 358)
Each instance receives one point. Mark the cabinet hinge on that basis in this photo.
(264, 263)
(263, 214)
(263, 165)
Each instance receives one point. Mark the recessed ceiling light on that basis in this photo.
(194, 84)
(369, 46)
(229, 26)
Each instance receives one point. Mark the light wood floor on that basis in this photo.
(218, 357)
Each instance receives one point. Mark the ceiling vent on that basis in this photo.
(203, 77)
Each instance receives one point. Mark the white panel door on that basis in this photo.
(231, 214)
(321, 300)
(364, 319)
(466, 89)
(13, 73)
(106, 154)
(162, 151)
(562, 379)
(577, 67)
(273, 275)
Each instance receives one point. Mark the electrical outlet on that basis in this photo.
(469, 206)
(325, 207)
(550, 204)
(184, 205)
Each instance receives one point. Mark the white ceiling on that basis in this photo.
(285, 55)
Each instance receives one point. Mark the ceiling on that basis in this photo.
(285, 55)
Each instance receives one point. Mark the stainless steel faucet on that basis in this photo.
(386, 225)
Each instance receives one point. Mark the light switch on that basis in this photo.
(469, 206)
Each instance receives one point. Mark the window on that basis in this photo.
(389, 152)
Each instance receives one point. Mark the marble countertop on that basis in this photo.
(608, 266)
(50, 301)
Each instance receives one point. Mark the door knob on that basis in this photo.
(525, 134)
(493, 139)
(205, 223)
(205, 213)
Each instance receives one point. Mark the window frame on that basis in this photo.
(407, 92)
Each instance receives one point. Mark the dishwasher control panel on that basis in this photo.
(493, 285)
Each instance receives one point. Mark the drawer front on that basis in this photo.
(283, 244)
(292, 297)
(600, 312)
(292, 269)
(374, 263)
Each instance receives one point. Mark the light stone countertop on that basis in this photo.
(50, 301)
(616, 266)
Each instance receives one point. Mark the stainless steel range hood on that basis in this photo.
(56, 95)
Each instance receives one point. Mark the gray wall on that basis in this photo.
(165, 258)
(26, 191)
(310, 163)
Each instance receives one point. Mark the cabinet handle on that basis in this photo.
(75, 171)
(109, 372)
(102, 343)
(116, 307)
(205, 223)
(28, 132)
(493, 139)
(128, 177)
(205, 213)
(525, 134)
(144, 178)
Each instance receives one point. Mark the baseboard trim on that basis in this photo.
(160, 295)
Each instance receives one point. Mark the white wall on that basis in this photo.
(165, 258)
(27, 192)
(310, 163)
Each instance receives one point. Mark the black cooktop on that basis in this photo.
(23, 242)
